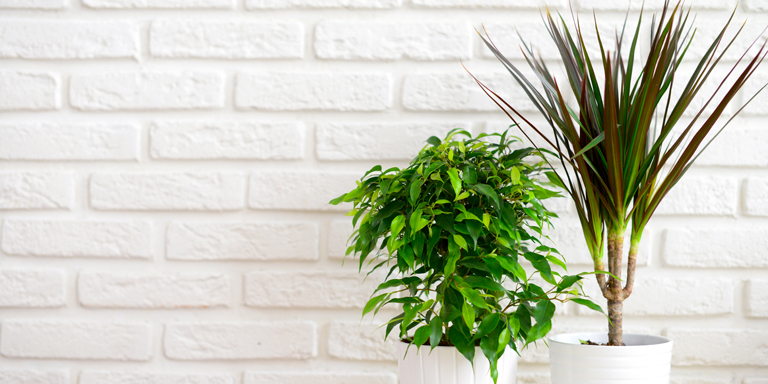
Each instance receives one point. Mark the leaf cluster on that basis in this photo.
(452, 229)
(620, 148)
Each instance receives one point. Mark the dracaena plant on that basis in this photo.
(452, 229)
(619, 147)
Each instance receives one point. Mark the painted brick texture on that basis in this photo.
(166, 168)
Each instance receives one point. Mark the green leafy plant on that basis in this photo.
(451, 229)
(618, 148)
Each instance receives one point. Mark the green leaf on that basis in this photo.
(544, 311)
(465, 346)
(453, 174)
(462, 196)
(436, 331)
(414, 220)
(453, 256)
(554, 179)
(398, 223)
(415, 191)
(589, 304)
(468, 314)
(567, 282)
(406, 253)
(488, 324)
(372, 303)
(514, 175)
(489, 192)
(338, 200)
(485, 283)
(541, 264)
(504, 338)
(421, 335)
(434, 140)
(512, 266)
(460, 241)
(474, 297)
(474, 228)
(487, 220)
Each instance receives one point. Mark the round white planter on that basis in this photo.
(445, 365)
(645, 359)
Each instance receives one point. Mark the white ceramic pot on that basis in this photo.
(645, 359)
(445, 365)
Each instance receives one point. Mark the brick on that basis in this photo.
(756, 196)
(756, 5)
(24, 90)
(283, 91)
(286, 190)
(715, 248)
(33, 4)
(167, 191)
(114, 91)
(354, 40)
(69, 141)
(353, 341)
(568, 239)
(242, 241)
(28, 376)
(702, 41)
(534, 4)
(459, 92)
(158, 4)
(319, 378)
(737, 347)
(338, 234)
(533, 378)
(505, 37)
(740, 145)
(379, 141)
(283, 4)
(31, 288)
(226, 39)
(70, 238)
(227, 140)
(699, 380)
(618, 5)
(236, 341)
(696, 195)
(757, 298)
(65, 39)
(64, 339)
(153, 290)
(36, 190)
(308, 289)
(536, 36)
(672, 297)
(101, 377)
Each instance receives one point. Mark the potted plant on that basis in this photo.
(451, 231)
(621, 155)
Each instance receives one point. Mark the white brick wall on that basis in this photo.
(165, 169)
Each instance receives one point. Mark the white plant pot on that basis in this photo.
(645, 359)
(445, 365)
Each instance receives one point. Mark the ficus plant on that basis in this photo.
(624, 145)
(452, 230)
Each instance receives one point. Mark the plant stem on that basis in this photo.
(631, 265)
(615, 329)
(616, 293)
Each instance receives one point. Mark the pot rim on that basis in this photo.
(657, 340)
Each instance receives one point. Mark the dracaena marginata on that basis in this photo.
(624, 144)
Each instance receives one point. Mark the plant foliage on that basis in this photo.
(452, 229)
(619, 148)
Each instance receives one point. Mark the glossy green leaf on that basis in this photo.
(468, 314)
(453, 174)
(436, 331)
